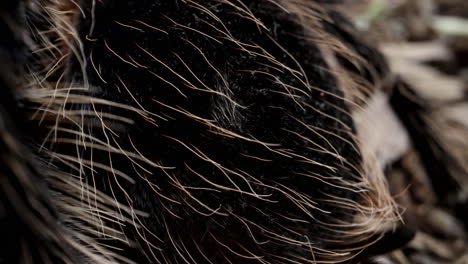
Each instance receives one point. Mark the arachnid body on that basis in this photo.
(218, 131)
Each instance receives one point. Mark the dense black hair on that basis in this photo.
(170, 131)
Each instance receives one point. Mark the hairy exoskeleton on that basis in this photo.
(215, 131)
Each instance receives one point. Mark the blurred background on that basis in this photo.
(426, 43)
